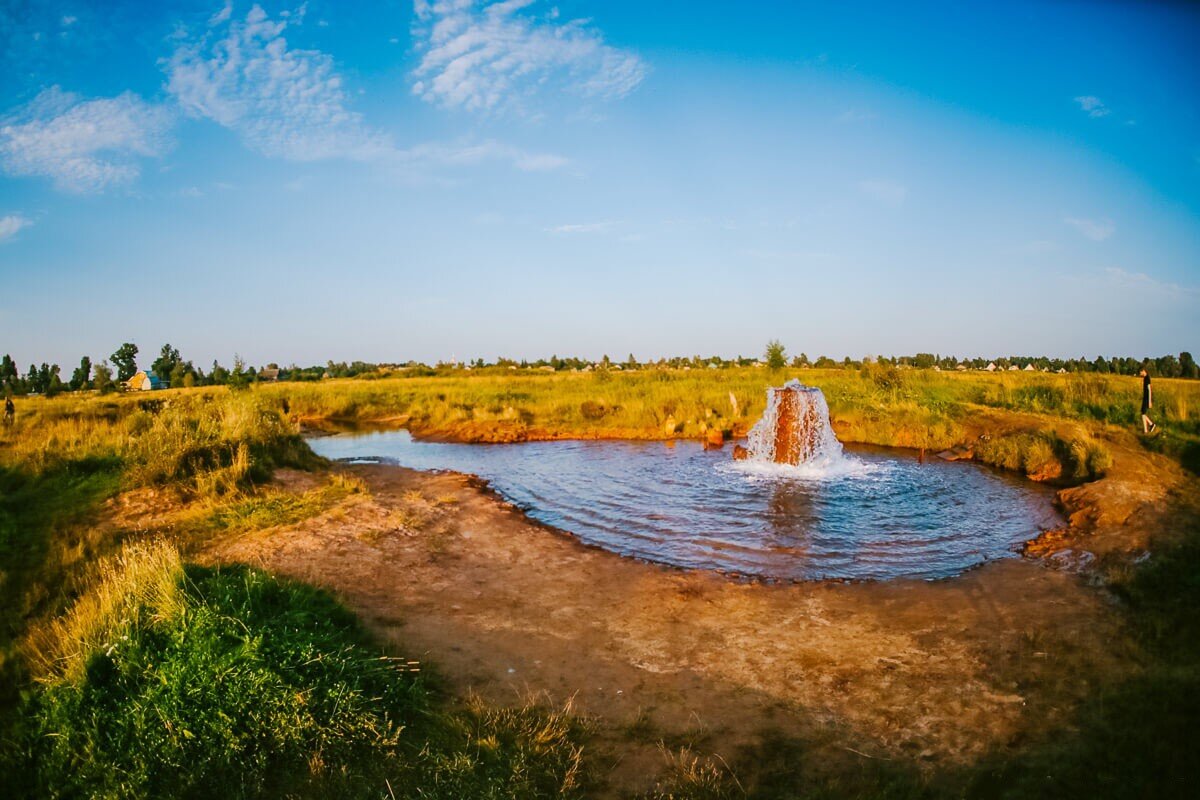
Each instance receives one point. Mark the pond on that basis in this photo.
(873, 515)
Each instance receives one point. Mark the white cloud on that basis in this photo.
(487, 56)
(84, 145)
(292, 104)
(1096, 230)
(223, 15)
(1093, 106)
(283, 102)
(11, 225)
(461, 154)
(583, 227)
(893, 194)
(1144, 284)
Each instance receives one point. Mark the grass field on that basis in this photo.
(882, 406)
(105, 631)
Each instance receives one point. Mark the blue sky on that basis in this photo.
(436, 180)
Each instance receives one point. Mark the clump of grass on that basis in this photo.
(230, 678)
(691, 777)
(263, 508)
(139, 586)
(1044, 454)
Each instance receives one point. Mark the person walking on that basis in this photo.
(1148, 425)
(10, 411)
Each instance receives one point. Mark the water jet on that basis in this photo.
(794, 429)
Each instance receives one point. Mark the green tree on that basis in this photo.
(9, 375)
(1187, 365)
(51, 383)
(82, 375)
(776, 356)
(168, 359)
(239, 376)
(125, 360)
(103, 379)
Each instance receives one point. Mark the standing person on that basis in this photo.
(10, 411)
(1148, 425)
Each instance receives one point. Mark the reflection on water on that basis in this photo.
(877, 516)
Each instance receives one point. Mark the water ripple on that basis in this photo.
(874, 515)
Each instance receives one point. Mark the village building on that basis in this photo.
(144, 382)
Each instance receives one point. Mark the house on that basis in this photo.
(144, 382)
(1013, 368)
(991, 367)
(1029, 368)
(269, 374)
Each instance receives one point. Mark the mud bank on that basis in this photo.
(927, 674)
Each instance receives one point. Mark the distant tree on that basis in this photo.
(9, 375)
(168, 359)
(1168, 367)
(924, 360)
(220, 376)
(1187, 365)
(82, 375)
(776, 356)
(125, 360)
(239, 376)
(52, 383)
(103, 380)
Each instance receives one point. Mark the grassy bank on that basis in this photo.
(146, 676)
(168, 681)
(1041, 424)
(152, 677)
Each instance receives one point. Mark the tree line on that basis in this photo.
(170, 367)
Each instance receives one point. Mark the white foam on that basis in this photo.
(822, 469)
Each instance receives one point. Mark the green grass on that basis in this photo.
(908, 408)
(191, 682)
(170, 680)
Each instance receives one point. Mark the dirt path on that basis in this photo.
(930, 674)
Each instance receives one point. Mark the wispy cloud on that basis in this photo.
(488, 56)
(889, 192)
(11, 225)
(282, 102)
(583, 227)
(292, 104)
(1094, 106)
(83, 145)
(1145, 284)
(466, 154)
(1096, 230)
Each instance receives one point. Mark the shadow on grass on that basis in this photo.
(39, 519)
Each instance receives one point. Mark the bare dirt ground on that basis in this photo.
(924, 674)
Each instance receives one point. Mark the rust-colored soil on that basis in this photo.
(925, 673)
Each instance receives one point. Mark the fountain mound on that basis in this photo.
(794, 429)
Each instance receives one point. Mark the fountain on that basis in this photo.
(794, 429)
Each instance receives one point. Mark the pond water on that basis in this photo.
(873, 515)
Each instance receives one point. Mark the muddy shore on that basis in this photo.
(923, 674)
